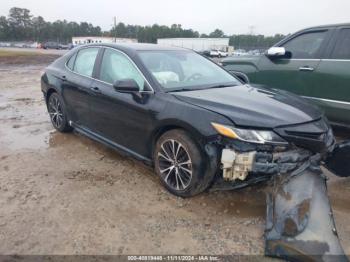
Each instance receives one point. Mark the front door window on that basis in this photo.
(342, 48)
(306, 46)
(116, 66)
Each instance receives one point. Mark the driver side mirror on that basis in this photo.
(126, 86)
(274, 52)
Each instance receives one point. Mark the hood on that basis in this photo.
(253, 106)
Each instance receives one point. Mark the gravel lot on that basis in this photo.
(65, 194)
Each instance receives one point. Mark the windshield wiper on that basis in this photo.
(182, 89)
(196, 89)
(221, 86)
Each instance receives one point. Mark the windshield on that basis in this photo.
(179, 70)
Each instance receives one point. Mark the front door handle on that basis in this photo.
(306, 68)
(95, 90)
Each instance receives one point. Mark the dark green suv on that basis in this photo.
(313, 63)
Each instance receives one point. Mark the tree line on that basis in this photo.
(20, 25)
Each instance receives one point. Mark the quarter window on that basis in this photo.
(342, 48)
(116, 66)
(306, 46)
(85, 61)
(70, 63)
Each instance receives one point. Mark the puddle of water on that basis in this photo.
(26, 138)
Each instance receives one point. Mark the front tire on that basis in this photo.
(58, 113)
(180, 164)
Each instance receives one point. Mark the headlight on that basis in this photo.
(249, 135)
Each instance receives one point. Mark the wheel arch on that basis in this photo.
(170, 125)
(49, 92)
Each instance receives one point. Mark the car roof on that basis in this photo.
(305, 30)
(327, 26)
(131, 48)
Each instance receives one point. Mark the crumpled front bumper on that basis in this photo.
(299, 224)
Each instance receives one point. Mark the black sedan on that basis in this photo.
(179, 111)
(201, 127)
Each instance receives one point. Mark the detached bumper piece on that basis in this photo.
(338, 161)
(300, 224)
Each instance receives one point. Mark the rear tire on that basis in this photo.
(180, 164)
(57, 112)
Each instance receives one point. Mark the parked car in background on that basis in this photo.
(215, 53)
(222, 53)
(313, 63)
(64, 47)
(70, 46)
(55, 45)
(51, 45)
(19, 45)
(239, 52)
(255, 52)
(5, 44)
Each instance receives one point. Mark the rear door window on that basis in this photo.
(306, 46)
(85, 61)
(342, 47)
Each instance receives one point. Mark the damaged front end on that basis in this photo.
(299, 223)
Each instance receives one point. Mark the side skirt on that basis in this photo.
(119, 148)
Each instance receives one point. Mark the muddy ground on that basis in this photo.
(65, 194)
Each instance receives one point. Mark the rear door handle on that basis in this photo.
(95, 90)
(306, 68)
(64, 78)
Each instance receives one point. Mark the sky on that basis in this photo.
(266, 17)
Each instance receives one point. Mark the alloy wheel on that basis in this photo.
(175, 165)
(55, 111)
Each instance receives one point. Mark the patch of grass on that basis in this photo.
(14, 53)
